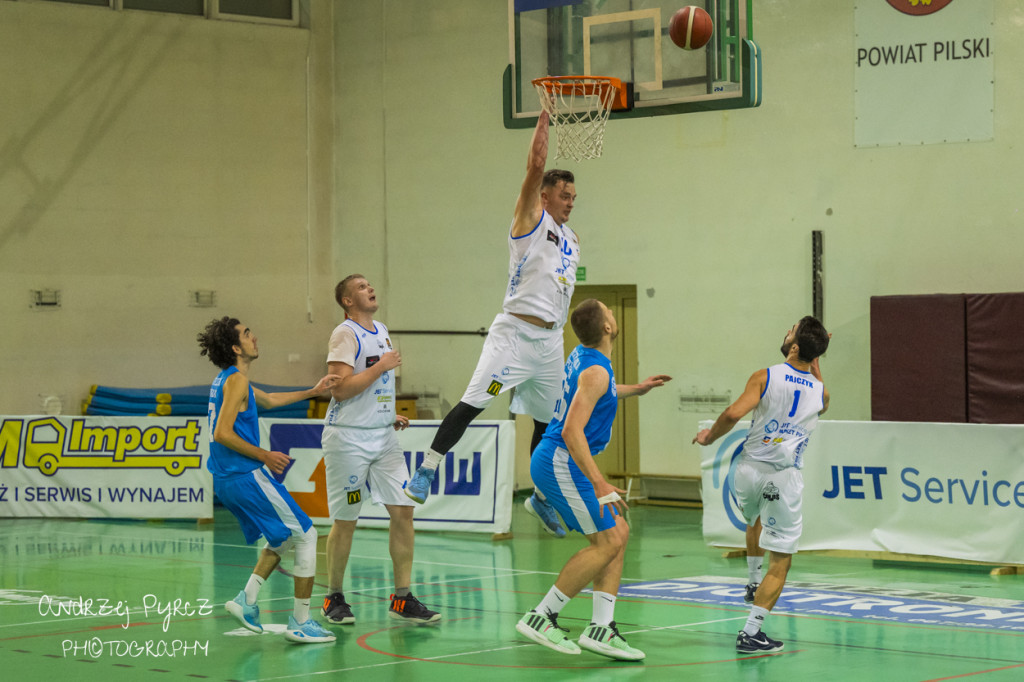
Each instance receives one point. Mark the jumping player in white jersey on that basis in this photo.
(243, 477)
(563, 467)
(523, 349)
(767, 484)
(360, 447)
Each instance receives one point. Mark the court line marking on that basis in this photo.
(442, 657)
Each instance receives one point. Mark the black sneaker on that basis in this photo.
(409, 608)
(751, 589)
(758, 644)
(336, 610)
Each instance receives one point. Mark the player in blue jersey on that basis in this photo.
(243, 481)
(563, 468)
(767, 483)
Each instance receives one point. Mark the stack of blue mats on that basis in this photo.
(181, 401)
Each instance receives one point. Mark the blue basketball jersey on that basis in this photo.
(224, 461)
(598, 430)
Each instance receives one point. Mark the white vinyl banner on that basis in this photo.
(472, 490)
(946, 490)
(923, 71)
(104, 467)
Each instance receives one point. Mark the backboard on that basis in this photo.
(628, 39)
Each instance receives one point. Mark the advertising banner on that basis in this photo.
(923, 71)
(104, 467)
(946, 490)
(472, 491)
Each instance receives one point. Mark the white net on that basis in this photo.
(579, 108)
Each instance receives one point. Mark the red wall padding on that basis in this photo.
(918, 373)
(995, 358)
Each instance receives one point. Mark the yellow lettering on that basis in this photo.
(128, 440)
(97, 439)
(188, 434)
(10, 442)
(153, 439)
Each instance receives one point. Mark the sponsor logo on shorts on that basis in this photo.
(771, 493)
(355, 497)
(495, 388)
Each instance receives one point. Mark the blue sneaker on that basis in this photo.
(546, 514)
(419, 487)
(758, 644)
(310, 632)
(246, 614)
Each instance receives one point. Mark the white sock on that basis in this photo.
(301, 610)
(252, 589)
(553, 602)
(432, 459)
(754, 564)
(755, 620)
(604, 608)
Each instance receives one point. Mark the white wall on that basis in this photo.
(137, 151)
(142, 156)
(709, 214)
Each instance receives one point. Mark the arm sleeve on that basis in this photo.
(344, 347)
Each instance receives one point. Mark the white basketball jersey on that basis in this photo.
(374, 407)
(785, 417)
(542, 271)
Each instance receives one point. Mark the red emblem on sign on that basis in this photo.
(919, 7)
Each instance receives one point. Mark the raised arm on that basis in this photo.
(816, 371)
(528, 205)
(270, 400)
(627, 390)
(747, 401)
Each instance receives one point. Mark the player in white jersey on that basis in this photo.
(523, 349)
(360, 447)
(767, 483)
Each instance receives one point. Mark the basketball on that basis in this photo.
(691, 28)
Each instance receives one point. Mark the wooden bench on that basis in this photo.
(630, 477)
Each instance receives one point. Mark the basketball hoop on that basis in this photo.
(579, 108)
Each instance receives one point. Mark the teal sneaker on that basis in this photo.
(606, 640)
(546, 514)
(310, 632)
(419, 487)
(543, 629)
(246, 614)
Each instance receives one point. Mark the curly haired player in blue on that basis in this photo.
(243, 477)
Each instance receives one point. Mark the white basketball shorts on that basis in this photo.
(521, 355)
(775, 495)
(357, 457)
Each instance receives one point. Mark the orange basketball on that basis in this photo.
(691, 28)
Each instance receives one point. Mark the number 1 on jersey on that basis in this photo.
(796, 401)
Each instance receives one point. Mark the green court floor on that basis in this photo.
(157, 593)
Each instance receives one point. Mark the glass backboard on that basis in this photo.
(628, 39)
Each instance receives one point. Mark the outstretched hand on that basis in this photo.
(652, 382)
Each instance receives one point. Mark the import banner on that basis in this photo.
(104, 467)
(471, 492)
(946, 490)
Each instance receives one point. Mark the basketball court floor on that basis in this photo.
(157, 593)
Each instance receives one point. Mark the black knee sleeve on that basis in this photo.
(453, 426)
